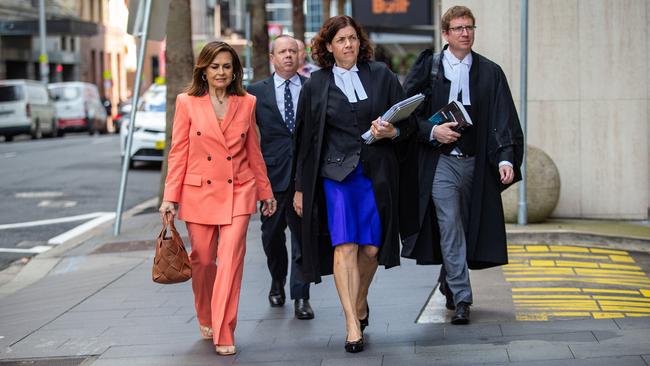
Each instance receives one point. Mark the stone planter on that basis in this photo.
(543, 188)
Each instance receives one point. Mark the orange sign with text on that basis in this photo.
(390, 6)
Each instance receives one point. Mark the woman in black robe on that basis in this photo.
(346, 190)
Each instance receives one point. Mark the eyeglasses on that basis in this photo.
(460, 29)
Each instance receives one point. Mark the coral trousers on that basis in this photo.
(217, 258)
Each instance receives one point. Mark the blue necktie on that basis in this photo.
(289, 118)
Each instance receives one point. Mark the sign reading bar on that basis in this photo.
(392, 13)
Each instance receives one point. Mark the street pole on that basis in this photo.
(136, 95)
(42, 34)
(522, 216)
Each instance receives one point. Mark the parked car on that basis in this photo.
(123, 114)
(78, 107)
(149, 133)
(26, 107)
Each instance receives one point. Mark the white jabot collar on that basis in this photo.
(349, 83)
(457, 71)
(279, 81)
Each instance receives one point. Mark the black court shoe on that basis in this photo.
(354, 347)
(364, 322)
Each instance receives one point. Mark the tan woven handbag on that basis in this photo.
(171, 263)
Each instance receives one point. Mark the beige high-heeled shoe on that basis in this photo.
(206, 332)
(225, 350)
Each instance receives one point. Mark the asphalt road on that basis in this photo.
(62, 177)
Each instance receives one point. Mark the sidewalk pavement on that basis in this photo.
(98, 306)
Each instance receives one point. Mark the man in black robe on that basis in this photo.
(461, 173)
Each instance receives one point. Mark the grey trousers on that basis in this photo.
(451, 194)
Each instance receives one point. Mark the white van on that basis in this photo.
(78, 107)
(25, 107)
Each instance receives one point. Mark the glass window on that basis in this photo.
(11, 93)
(65, 93)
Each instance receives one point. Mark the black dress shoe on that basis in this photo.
(444, 289)
(354, 347)
(302, 309)
(276, 294)
(364, 322)
(462, 314)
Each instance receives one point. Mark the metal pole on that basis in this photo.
(247, 31)
(522, 216)
(42, 34)
(136, 95)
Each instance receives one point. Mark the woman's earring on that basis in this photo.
(234, 77)
(203, 77)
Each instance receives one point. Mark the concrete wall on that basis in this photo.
(588, 93)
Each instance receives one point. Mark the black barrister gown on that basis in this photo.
(379, 162)
(499, 137)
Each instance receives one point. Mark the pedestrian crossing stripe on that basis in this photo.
(609, 283)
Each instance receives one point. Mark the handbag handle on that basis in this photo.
(168, 221)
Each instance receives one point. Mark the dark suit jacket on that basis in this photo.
(276, 139)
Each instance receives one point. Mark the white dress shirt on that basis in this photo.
(294, 88)
(457, 71)
(349, 83)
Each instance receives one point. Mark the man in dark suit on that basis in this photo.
(277, 99)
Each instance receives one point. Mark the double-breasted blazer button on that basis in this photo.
(358, 153)
(209, 157)
(243, 135)
(198, 133)
(229, 181)
(209, 181)
(229, 158)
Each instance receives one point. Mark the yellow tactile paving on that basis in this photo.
(611, 291)
(546, 289)
(541, 263)
(621, 258)
(598, 315)
(576, 264)
(609, 283)
(619, 266)
(552, 297)
(537, 248)
(568, 248)
(608, 251)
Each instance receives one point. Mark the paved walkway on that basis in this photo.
(98, 306)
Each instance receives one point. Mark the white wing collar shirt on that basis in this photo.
(457, 71)
(294, 87)
(349, 83)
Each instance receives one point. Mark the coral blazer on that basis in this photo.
(215, 172)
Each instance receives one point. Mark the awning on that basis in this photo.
(71, 27)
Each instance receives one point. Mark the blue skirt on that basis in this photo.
(352, 213)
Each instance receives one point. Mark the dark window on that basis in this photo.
(155, 68)
(11, 93)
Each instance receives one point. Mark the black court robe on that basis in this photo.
(379, 161)
(499, 137)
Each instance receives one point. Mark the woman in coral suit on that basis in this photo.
(216, 175)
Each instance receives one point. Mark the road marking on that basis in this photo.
(34, 250)
(60, 239)
(52, 221)
(44, 194)
(8, 155)
(611, 270)
(57, 204)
